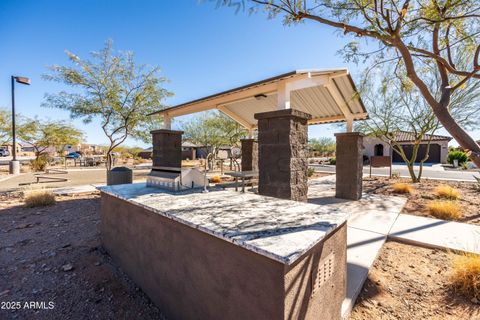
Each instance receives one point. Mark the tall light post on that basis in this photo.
(14, 165)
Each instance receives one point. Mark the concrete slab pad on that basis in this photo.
(363, 248)
(375, 213)
(436, 233)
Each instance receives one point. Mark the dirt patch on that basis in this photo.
(408, 282)
(316, 175)
(424, 192)
(53, 254)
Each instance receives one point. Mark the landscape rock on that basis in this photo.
(67, 267)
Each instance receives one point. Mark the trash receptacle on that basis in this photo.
(119, 175)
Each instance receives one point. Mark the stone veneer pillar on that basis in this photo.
(167, 150)
(283, 154)
(249, 155)
(349, 165)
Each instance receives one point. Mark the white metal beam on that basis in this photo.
(235, 117)
(283, 96)
(167, 122)
(342, 104)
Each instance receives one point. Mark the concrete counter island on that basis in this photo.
(227, 255)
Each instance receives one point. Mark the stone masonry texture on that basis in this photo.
(283, 154)
(167, 148)
(249, 155)
(349, 165)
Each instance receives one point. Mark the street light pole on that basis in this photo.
(14, 133)
(14, 165)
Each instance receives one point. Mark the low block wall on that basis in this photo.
(189, 274)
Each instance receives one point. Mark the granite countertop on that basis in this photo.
(282, 230)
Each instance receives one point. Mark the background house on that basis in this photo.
(437, 154)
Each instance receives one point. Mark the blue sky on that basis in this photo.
(201, 49)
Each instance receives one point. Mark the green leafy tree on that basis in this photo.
(395, 107)
(212, 130)
(325, 146)
(112, 88)
(42, 135)
(5, 126)
(408, 35)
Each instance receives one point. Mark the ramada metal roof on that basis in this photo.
(329, 95)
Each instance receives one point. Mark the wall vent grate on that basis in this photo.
(323, 273)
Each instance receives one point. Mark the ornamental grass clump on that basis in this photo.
(215, 179)
(402, 188)
(465, 276)
(447, 192)
(39, 198)
(447, 210)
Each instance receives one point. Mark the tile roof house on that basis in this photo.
(437, 154)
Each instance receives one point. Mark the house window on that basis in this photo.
(378, 150)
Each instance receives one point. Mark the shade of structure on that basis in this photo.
(328, 95)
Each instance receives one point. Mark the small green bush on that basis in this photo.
(332, 160)
(457, 155)
(40, 163)
(310, 172)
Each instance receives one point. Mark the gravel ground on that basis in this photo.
(53, 255)
(424, 192)
(408, 282)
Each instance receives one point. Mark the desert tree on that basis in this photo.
(324, 145)
(396, 106)
(404, 33)
(5, 126)
(42, 135)
(110, 87)
(212, 130)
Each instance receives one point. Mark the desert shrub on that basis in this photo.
(39, 198)
(448, 210)
(457, 155)
(395, 175)
(310, 172)
(445, 191)
(215, 179)
(477, 184)
(402, 188)
(332, 160)
(465, 276)
(40, 163)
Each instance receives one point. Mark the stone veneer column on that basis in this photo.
(167, 149)
(249, 155)
(283, 154)
(349, 165)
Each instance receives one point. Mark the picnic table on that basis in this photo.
(243, 175)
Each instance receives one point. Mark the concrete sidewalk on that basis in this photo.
(373, 220)
(377, 218)
(436, 233)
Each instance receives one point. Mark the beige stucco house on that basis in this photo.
(437, 154)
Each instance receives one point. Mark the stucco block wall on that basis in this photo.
(189, 274)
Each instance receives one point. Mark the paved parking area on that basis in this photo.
(75, 177)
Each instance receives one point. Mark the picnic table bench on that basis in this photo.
(243, 175)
